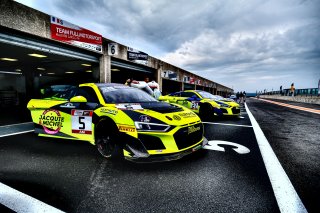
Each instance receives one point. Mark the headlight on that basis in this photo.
(142, 126)
(222, 104)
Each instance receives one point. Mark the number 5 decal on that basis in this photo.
(81, 121)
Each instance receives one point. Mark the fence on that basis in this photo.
(297, 92)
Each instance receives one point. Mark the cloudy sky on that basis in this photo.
(244, 44)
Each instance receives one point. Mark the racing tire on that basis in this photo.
(206, 112)
(106, 143)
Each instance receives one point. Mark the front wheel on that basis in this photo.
(206, 112)
(107, 145)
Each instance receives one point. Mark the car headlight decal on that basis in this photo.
(143, 126)
(222, 104)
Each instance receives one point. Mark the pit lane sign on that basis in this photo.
(64, 31)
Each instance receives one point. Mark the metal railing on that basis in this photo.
(297, 92)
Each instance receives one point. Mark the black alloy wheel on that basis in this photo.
(106, 145)
(206, 112)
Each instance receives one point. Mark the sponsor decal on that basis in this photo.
(123, 128)
(194, 104)
(187, 114)
(145, 118)
(159, 150)
(51, 121)
(129, 106)
(72, 34)
(176, 117)
(81, 121)
(192, 129)
(109, 111)
(67, 105)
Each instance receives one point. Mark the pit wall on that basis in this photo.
(301, 99)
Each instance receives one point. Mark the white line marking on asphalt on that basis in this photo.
(227, 124)
(214, 145)
(286, 196)
(16, 133)
(20, 202)
(15, 124)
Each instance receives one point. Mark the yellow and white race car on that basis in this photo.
(203, 103)
(121, 121)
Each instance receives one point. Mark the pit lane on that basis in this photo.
(71, 175)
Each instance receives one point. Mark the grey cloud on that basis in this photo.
(228, 41)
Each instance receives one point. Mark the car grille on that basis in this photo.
(188, 136)
(235, 110)
(151, 142)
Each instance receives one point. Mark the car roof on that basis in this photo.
(105, 85)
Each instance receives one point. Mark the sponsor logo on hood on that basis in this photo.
(176, 117)
(187, 114)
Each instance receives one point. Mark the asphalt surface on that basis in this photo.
(294, 136)
(71, 175)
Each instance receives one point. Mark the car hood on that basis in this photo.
(163, 113)
(161, 107)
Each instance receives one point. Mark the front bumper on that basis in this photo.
(230, 111)
(169, 157)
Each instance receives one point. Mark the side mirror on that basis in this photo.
(78, 99)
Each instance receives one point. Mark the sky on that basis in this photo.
(247, 45)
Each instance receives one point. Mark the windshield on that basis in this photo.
(125, 95)
(210, 96)
(63, 92)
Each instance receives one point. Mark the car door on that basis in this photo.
(82, 113)
(190, 100)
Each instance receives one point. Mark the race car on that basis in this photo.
(123, 122)
(203, 103)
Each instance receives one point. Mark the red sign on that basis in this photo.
(72, 34)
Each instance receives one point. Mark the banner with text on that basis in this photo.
(72, 34)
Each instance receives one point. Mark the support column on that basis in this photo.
(159, 78)
(181, 75)
(105, 69)
(31, 82)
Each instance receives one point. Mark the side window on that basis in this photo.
(176, 94)
(89, 94)
(188, 94)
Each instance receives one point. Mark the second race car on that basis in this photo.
(203, 103)
(121, 121)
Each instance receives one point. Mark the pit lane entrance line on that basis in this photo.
(16, 124)
(20, 202)
(16, 133)
(227, 124)
(316, 111)
(287, 198)
(16, 129)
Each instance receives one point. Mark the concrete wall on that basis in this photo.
(302, 99)
(22, 18)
